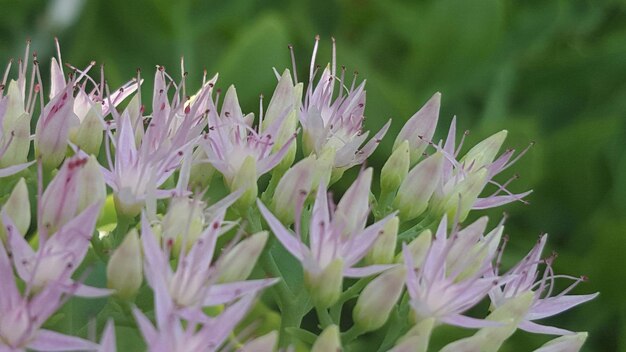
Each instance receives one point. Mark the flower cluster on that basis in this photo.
(184, 243)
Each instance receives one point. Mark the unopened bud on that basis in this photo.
(241, 260)
(353, 208)
(420, 128)
(384, 247)
(124, 273)
(298, 179)
(395, 169)
(17, 208)
(484, 153)
(246, 180)
(325, 286)
(467, 191)
(88, 135)
(418, 248)
(416, 339)
(183, 222)
(418, 186)
(92, 187)
(263, 343)
(328, 341)
(53, 126)
(378, 299)
(16, 128)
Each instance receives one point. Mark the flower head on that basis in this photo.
(525, 278)
(338, 123)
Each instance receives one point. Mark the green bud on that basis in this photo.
(484, 153)
(183, 222)
(239, 262)
(328, 341)
(201, 173)
(418, 248)
(467, 191)
(298, 179)
(16, 128)
(124, 270)
(418, 186)
(325, 286)
(395, 169)
(17, 208)
(416, 339)
(246, 180)
(92, 187)
(384, 247)
(88, 135)
(266, 342)
(378, 298)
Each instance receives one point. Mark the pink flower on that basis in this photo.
(337, 123)
(525, 277)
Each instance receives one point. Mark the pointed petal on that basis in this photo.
(469, 322)
(542, 329)
(554, 305)
(225, 293)
(293, 245)
(47, 340)
(366, 270)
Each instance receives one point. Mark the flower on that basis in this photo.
(451, 278)
(523, 276)
(338, 123)
(338, 239)
(23, 314)
(231, 141)
(193, 285)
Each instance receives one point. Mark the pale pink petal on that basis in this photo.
(47, 340)
(542, 329)
(225, 293)
(290, 243)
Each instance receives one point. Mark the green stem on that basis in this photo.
(350, 335)
(324, 318)
(393, 331)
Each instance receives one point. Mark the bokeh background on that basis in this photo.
(553, 72)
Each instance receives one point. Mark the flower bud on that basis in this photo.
(395, 169)
(353, 208)
(467, 191)
(124, 273)
(420, 128)
(418, 186)
(418, 248)
(378, 298)
(60, 200)
(92, 187)
(239, 262)
(263, 343)
(53, 127)
(416, 339)
(325, 286)
(484, 153)
(297, 180)
(16, 128)
(88, 135)
(245, 179)
(17, 208)
(328, 341)
(566, 343)
(384, 246)
(183, 222)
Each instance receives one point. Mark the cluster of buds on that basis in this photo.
(126, 199)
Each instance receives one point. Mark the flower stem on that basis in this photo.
(323, 316)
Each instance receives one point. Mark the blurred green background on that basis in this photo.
(553, 72)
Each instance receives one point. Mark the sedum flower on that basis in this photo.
(23, 313)
(124, 274)
(567, 343)
(442, 288)
(525, 277)
(235, 148)
(336, 122)
(193, 284)
(338, 239)
(57, 257)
